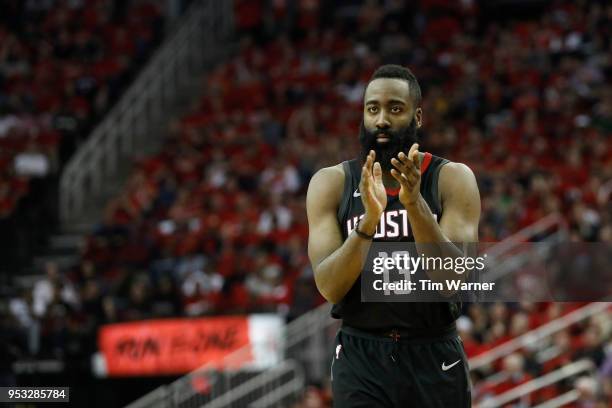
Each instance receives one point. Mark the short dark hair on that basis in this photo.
(398, 72)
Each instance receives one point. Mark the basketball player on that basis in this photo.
(391, 354)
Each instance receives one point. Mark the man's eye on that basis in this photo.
(396, 109)
(372, 109)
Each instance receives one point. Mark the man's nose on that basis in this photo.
(382, 120)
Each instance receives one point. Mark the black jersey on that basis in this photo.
(393, 226)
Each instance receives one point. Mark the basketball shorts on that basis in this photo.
(374, 371)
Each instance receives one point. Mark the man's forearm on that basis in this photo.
(430, 240)
(424, 226)
(337, 273)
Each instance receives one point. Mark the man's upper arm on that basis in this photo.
(460, 203)
(322, 199)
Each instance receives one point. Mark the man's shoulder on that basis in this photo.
(451, 169)
(327, 183)
(456, 177)
(329, 175)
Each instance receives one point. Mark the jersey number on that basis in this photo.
(405, 273)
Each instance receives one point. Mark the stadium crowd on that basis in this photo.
(62, 66)
(215, 223)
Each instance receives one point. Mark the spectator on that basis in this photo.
(587, 392)
(513, 368)
(592, 346)
(167, 301)
(267, 288)
(138, 304)
(201, 290)
(54, 287)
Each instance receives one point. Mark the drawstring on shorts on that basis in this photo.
(395, 336)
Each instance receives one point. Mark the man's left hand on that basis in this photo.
(408, 173)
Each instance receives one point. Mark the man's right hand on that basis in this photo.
(373, 194)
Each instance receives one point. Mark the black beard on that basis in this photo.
(399, 141)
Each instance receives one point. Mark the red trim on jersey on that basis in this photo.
(392, 191)
(426, 161)
(424, 165)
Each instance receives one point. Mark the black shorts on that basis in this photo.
(374, 371)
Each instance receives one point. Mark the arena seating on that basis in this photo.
(215, 223)
(62, 66)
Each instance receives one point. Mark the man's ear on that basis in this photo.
(418, 117)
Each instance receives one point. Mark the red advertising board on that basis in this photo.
(170, 347)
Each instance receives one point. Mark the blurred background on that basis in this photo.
(154, 159)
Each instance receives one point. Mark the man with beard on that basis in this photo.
(391, 354)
